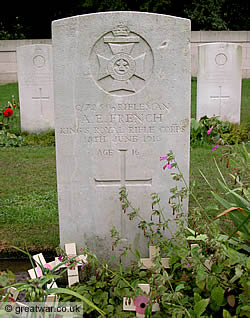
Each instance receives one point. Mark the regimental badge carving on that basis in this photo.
(39, 61)
(220, 59)
(121, 61)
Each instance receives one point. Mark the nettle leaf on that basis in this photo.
(200, 237)
(109, 309)
(179, 287)
(138, 255)
(101, 284)
(211, 282)
(201, 283)
(235, 256)
(248, 263)
(226, 314)
(217, 295)
(201, 306)
(197, 298)
(217, 268)
(201, 278)
(238, 274)
(100, 297)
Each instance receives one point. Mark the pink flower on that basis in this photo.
(47, 266)
(83, 265)
(163, 158)
(39, 270)
(215, 147)
(140, 303)
(168, 165)
(209, 130)
(60, 258)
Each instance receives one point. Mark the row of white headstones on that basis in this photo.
(73, 275)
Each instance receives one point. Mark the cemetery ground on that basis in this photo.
(29, 212)
(29, 219)
(28, 180)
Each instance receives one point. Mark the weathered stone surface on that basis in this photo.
(122, 99)
(219, 81)
(35, 82)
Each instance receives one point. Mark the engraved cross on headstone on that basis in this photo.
(41, 98)
(220, 97)
(123, 181)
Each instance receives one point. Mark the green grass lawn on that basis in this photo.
(28, 196)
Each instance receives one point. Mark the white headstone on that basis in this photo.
(219, 81)
(122, 100)
(35, 82)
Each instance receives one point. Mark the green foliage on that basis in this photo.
(42, 139)
(209, 279)
(9, 116)
(6, 278)
(7, 119)
(206, 14)
(15, 31)
(236, 201)
(212, 130)
(10, 140)
(66, 291)
(237, 134)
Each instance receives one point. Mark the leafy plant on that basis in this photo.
(10, 140)
(6, 278)
(208, 274)
(41, 139)
(212, 130)
(238, 133)
(236, 201)
(6, 114)
(37, 289)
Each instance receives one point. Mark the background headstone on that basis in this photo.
(122, 100)
(35, 82)
(219, 81)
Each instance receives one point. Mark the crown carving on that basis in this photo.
(121, 30)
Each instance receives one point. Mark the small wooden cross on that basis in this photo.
(128, 303)
(147, 263)
(13, 293)
(73, 276)
(37, 272)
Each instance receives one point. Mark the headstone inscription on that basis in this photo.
(122, 99)
(35, 82)
(219, 81)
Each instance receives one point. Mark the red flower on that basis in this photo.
(14, 105)
(140, 303)
(8, 112)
